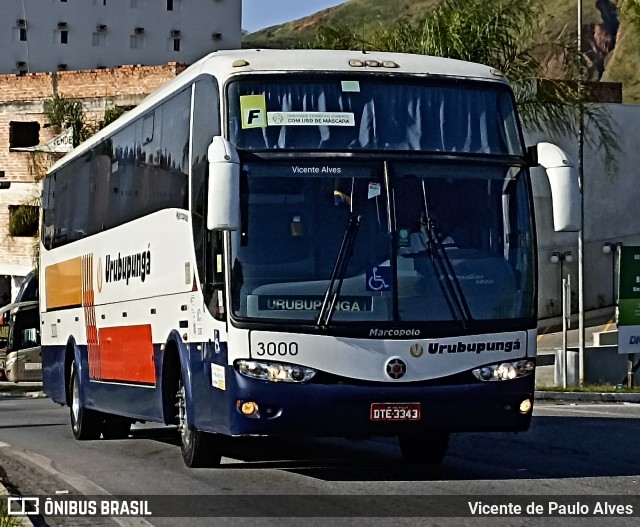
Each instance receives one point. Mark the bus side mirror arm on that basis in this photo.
(565, 187)
(223, 193)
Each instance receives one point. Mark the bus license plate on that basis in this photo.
(395, 412)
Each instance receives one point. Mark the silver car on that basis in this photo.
(20, 356)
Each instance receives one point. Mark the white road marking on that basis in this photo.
(4, 444)
(582, 409)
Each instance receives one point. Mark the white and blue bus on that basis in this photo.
(317, 243)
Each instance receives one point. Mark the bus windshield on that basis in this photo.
(434, 242)
(372, 113)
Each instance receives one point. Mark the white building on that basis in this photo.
(51, 35)
(610, 217)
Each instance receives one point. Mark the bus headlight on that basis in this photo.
(274, 371)
(505, 371)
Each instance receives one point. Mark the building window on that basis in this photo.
(174, 44)
(169, 5)
(24, 134)
(19, 34)
(99, 39)
(136, 41)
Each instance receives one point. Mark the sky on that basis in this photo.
(258, 14)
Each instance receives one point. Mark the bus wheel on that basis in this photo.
(199, 449)
(85, 423)
(115, 427)
(427, 448)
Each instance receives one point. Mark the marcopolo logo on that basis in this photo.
(375, 332)
(129, 266)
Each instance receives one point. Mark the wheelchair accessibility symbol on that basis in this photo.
(379, 279)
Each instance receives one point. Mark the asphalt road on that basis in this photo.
(571, 449)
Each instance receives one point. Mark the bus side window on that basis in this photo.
(205, 125)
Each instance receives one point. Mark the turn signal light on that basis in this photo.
(248, 408)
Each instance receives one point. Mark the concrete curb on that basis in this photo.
(31, 389)
(609, 397)
(22, 395)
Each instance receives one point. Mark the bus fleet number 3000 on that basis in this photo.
(274, 349)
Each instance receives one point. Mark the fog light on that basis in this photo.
(525, 406)
(249, 408)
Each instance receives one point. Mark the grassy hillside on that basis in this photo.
(367, 15)
(361, 14)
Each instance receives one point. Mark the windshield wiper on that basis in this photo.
(339, 271)
(453, 293)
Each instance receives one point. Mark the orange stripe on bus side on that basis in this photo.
(63, 284)
(126, 354)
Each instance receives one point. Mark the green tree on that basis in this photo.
(507, 35)
(23, 219)
(68, 113)
(111, 114)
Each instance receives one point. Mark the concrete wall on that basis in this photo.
(610, 209)
(602, 365)
(118, 43)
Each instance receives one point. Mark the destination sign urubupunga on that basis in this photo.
(312, 303)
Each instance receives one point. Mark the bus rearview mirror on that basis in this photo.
(565, 187)
(223, 200)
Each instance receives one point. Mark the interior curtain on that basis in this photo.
(387, 117)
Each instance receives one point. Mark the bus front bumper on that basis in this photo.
(344, 409)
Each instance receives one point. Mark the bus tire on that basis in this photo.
(115, 427)
(199, 449)
(85, 423)
(426, 448)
